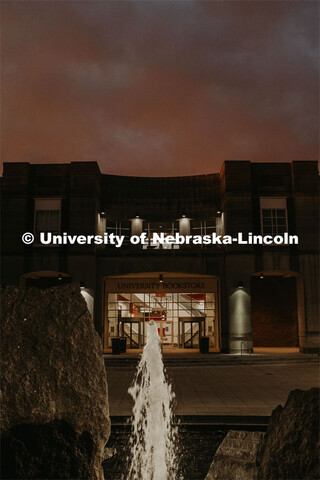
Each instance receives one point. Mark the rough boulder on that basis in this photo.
(290, 449)
(54, 414)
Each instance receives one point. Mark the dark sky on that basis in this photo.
(159, 87)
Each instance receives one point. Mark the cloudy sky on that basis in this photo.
(159, 88)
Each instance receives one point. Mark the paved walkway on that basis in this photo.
(221, 390)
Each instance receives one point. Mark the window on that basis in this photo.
(273, 216)
(119, 228)
(47, 221)
(47, 216)
(113, 227)
(203, 227)
(210, 226)
(274, 221)
(167, 228)
(129, 313)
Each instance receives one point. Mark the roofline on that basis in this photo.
(203, 175)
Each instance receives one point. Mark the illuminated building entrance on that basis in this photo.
(185, 308)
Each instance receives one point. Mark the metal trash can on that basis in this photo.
(123, 344)
(116, 346)
(204, 345)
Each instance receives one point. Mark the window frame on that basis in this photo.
(46, 205)
(273, 203)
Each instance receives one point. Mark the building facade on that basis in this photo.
(242, 296)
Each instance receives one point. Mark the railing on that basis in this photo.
(190, 339)
(245, 344)
(131, 339)
(317, 348)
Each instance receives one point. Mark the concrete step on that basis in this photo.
(198, 421)
(180, 360)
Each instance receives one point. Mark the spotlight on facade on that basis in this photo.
(240, 285)
(82, 285)
(160, 278)
(137, 216)
(218, 212)
(102, 214)
(183, 216)
(261, 275)
(59, 276)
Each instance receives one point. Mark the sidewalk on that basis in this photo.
(221, 390)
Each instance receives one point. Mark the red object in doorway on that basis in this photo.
(133, 309)
(163, 332)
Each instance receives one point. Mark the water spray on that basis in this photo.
(153, 438)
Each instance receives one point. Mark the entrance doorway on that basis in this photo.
(131, 330)
(190, 331)
(184, 309)
(274, 311)
(180, 318)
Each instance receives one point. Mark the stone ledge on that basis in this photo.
(236, 458)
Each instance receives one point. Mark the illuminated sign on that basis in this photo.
(169, 284)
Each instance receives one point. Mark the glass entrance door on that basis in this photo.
(190, 331)
(131, 330)
(181, 317)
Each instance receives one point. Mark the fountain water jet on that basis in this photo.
(153, 437)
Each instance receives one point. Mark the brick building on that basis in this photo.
(240, 296)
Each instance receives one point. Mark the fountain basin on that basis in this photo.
(197, 444)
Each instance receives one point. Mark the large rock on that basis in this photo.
(236, 457)
(54, 415)
(290, 450)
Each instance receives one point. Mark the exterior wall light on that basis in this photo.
(137, 216)
(59, 277)
(240, 285)
(102, 214)
(183, 216)
(160, 278)
(261, 275)
(82, 285)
